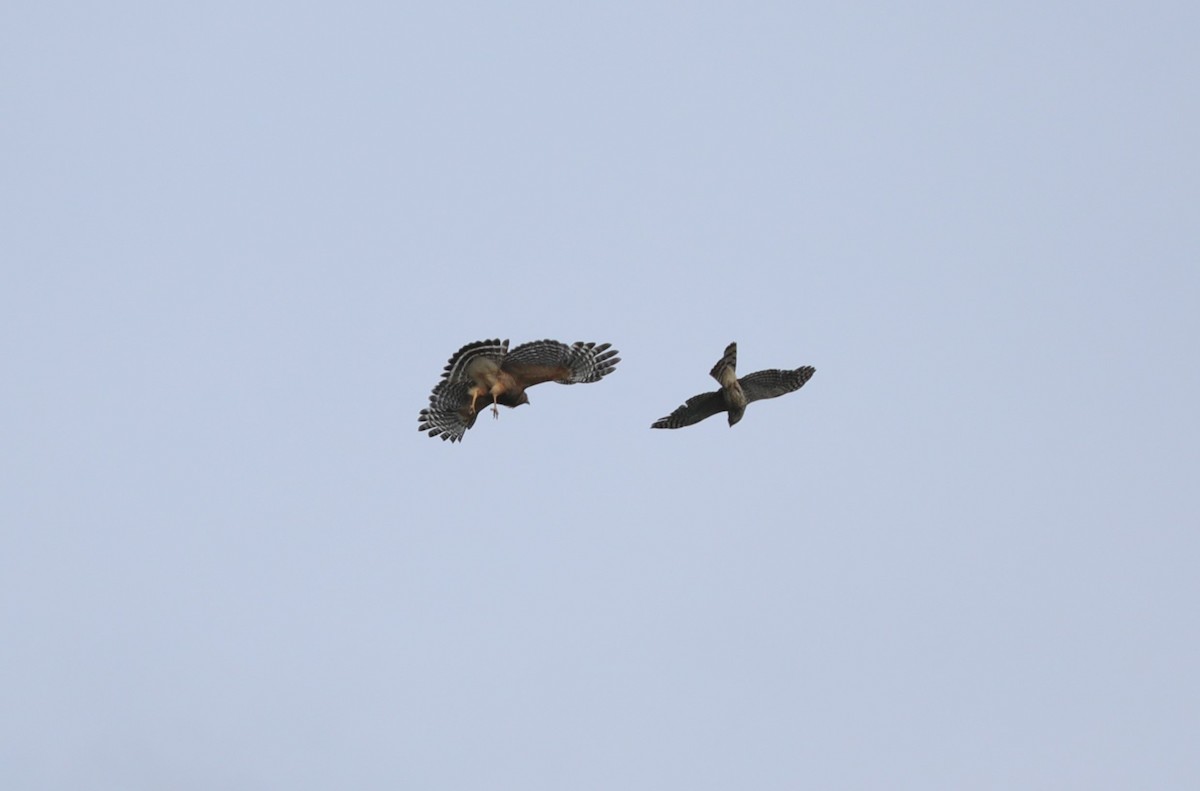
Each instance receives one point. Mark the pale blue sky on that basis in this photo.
(241, 240)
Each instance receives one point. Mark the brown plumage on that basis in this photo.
(486, 372)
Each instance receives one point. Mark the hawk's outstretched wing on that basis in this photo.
(773, 382)
(447, 415)
(552, 361)
(694, 410)
(461, 362)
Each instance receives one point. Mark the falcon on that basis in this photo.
(487, 372)
(735, 393)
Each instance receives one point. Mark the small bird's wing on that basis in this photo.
(694, 410)
(774, 382)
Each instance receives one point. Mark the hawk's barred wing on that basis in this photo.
(552, 361)
(696, 408)
(774, 382)
(456, 369)
(444, 416)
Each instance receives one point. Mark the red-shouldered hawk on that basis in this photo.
(735, 393)
(487, 371)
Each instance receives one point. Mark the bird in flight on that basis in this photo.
(487, 371)
(735, 393)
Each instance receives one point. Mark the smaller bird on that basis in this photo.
(735, 393)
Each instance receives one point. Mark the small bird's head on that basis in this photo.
(735, 415)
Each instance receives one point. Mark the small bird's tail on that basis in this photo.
(725, 371)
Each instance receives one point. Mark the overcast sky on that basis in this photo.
(240, 241)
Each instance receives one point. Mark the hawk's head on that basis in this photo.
(509, 400)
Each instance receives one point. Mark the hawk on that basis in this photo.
(486, 371)
(735, 393)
